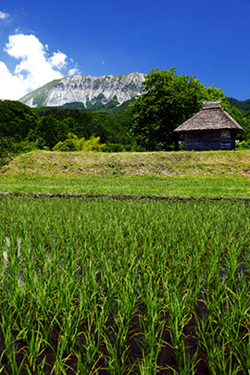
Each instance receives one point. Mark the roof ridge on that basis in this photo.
(213, 118)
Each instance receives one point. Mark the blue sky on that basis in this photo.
(42, 41)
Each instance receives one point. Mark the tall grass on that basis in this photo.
(99, 286)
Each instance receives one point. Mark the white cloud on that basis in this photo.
(73, 71)
(11, 86)
(35, 67)
(58, 60)
(3, 15)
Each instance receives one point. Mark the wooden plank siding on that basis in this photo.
(209, 140)
(233, 136)
(225, 140)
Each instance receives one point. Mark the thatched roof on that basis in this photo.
(211, 117)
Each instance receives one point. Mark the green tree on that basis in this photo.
(245, 123)
(48, 129)
(168, 101)
(16, 119)
(6, 150)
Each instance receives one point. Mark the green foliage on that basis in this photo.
(6, 150)
(98, 106)
(92, 144)
(75, 105)
(67, 145)
(113, 147)
(16, 119)
(168, 101)
(244, 145)
(31, 128)
(72, 143)
(242, 105)
(48, 129)
(245, 123)
(110, 128)
(238, 116)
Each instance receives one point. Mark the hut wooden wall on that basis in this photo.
(233, 136)
(209, 140)
(225, 140)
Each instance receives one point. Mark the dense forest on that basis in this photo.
(145, 124)
(24, 129)
(242, 105)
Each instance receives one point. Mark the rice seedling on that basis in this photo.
(91, 286)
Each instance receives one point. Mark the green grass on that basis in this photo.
(112, 286)
(213, 164)
(168, 187)
(92, 286)
(167, 174)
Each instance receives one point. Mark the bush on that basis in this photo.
(92, 144)
(113, 147)
(245, 145)
(72, 143)
(68, 145)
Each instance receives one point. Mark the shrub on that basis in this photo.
(72, 143)
(67, 145)
(244, 145)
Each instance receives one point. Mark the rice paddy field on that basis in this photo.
(104, 286)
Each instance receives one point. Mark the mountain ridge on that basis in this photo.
(104, 93)
(87, 90)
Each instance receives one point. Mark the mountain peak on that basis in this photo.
(85, 88)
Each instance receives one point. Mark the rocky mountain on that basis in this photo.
(87, 90)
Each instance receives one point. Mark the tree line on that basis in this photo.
(168, 101)
(146, 125)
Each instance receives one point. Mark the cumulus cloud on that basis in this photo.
(73, 72)
(11, 85)
(58, 60)
(3, 15)
(34, 66)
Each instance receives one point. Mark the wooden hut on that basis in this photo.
(210, 129)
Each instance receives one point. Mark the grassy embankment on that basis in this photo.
(166, 174)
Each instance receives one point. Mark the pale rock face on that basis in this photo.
(30, 103)
(86, 88)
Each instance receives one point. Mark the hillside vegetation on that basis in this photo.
(218, 164)
(26, 129)
(242, 105)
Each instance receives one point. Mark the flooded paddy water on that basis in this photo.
(106, 286)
